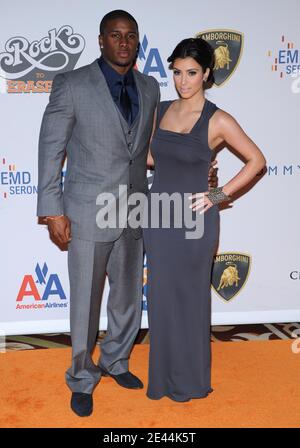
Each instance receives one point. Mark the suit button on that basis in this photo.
(130, 186)
(129, 145)
(129, 132)
(130, 162)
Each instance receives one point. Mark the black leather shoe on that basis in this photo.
(125, 379)
(82, 404)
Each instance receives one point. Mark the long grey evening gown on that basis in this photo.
(179, 269)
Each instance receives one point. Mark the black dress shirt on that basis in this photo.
(115, 80)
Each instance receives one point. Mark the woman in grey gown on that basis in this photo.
(185, 134)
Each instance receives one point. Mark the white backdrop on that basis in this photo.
(261, 94)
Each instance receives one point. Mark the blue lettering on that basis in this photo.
(26, 178)
(292, 57)
(281, 56)
(288, 56)
(54, 280)
(30, 189)
(14, 177)
(292, 69)
(154, 64)
(287, 168)
(19, 177)
(270, 170)
(4, 176)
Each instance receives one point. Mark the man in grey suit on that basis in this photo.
(100, 116)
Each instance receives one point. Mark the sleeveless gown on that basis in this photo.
(179, 269)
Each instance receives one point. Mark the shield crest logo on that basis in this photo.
(230, 273)
(228, 47)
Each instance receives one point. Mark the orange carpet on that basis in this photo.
(256, 384)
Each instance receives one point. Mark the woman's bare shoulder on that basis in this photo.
(223, 120)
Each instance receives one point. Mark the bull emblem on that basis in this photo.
(228, 47)
(229, 277)
(222, 56)
(230, 273)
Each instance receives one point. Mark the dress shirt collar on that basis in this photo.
(112, 76)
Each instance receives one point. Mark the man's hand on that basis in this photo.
(59, 229)
(212, 175)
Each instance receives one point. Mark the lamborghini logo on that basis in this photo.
(228, 46)
(230, 273)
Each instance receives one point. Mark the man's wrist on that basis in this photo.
(53, 218)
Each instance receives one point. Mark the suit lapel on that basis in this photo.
(143, 101)
(103, 95)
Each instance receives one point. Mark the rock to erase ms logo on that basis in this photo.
(228, 47)
(29, 67)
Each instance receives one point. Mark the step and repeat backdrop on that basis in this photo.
(256, 276)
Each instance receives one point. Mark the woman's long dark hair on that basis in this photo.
(198, 49)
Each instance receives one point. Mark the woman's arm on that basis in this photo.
(228, 130)
(224, 128)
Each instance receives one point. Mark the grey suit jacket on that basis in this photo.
(81, 121)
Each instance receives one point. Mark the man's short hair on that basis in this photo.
(116, 14)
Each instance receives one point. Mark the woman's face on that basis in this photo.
(188, 77)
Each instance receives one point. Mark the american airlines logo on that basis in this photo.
(34, 64)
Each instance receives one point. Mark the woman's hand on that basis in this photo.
(201, 202)
(150, 161)
(206, 200)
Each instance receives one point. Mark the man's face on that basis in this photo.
(120, 42)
